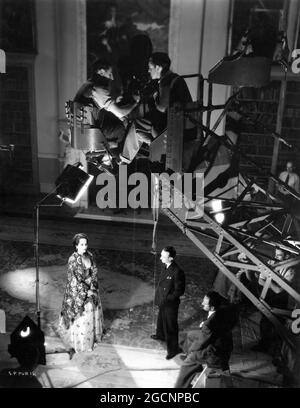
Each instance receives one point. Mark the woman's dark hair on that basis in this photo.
(162, 59)
(77, 238)
(171, 250)
(215, 300)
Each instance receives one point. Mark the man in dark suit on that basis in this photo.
(170, 287)
(213, 344)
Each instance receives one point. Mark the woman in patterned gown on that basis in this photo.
(81, 323)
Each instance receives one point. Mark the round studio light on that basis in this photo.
(220, 217)
(25, 333)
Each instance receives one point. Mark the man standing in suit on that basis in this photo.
(213, 343)
(170, 287)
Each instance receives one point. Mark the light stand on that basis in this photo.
(28, 340)
(70, 186)
(36, 250)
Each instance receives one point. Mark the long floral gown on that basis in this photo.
(81, 324)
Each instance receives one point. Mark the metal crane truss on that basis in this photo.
(230, 241)
(263, 224)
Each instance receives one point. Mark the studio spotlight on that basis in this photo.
(72, 183)
(69, 187)
(216, 205)
(27, 344)
(220, 217)
(217, 209)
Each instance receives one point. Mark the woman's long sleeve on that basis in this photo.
(76, 269)
(76, 290)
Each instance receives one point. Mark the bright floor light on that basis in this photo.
(220, 217)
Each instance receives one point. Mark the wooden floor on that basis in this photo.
(111, 366)
(115, 366)
(108, 366)
(103, 234)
